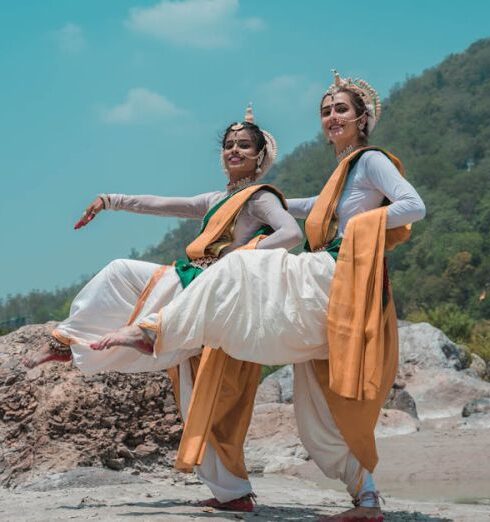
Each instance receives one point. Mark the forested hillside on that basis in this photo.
(439, 125)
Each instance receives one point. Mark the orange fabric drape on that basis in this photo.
(224, 388)
(361, 329)
(222, 406)
(223, 218)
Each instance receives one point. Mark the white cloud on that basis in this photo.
(70, 38)
(141, 106)
(205, 24)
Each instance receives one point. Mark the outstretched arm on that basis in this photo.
(184, 207)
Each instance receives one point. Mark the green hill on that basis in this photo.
(439, 125)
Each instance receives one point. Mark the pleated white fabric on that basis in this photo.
(106, 304)
(266, 306)
(319, 433)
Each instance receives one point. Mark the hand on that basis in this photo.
(91, 211)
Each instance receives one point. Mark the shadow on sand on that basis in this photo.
(262, 512)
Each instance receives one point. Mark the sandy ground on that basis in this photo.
(281, 498)
(437, 474)
(443, 461)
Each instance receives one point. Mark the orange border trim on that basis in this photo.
(157, 275)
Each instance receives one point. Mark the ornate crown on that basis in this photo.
(264, 161)
(365, 90)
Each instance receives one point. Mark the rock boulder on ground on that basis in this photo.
(424, 346)
(478, 365)
(273, 443)
(277, 387)
(440, 393)
(477, 406)
(54, 419)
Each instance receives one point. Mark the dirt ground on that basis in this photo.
(103, 495)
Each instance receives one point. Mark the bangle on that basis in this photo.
(106, 202)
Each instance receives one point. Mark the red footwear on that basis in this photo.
(348, 516)
(244, 503)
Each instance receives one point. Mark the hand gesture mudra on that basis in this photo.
(90, 212)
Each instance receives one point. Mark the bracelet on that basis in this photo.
(106, 202)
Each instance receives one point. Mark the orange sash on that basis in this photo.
(362, 333)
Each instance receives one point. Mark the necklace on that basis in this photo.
(239, 183)
(344, 153)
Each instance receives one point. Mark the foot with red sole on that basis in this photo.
(244, 504)
(358, 514)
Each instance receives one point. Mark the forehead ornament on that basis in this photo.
(268, 154)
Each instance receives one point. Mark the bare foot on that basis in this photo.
(44, 355)
(131, 336)
(361, 514)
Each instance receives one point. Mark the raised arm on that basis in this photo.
(300, 207)
(406, 205)
(268, 208)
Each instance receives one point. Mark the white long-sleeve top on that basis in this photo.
(263, 208)
(372, 178)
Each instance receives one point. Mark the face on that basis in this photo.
(337, 113)
(240, 153)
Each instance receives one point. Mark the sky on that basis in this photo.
(130, 96)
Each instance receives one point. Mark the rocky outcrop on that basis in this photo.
(54, 419)
(273, 443)
(424, 346)
(477, 406)
(478, 366)
(277, 387)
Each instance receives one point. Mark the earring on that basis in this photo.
(360, 126)
(260, 159)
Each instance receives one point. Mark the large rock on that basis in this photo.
(478, 365)
(424, 346)
(277, 387)
(54, 419)
(400, 399)
(273, 443)
(441, 393)
(477, 406)
(395, 422)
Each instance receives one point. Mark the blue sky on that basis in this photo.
(130, 96)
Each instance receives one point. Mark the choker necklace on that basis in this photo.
(344, 153)
(239, 183)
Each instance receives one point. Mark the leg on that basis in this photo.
(328, 449)
(130, 336)
(230, 492)
(51, 351)
(285, 298)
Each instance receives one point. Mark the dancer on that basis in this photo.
(246, 215)
(270, 307)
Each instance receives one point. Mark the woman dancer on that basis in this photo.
(245, 215)
(342, 371)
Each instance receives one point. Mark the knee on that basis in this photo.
(116, 267)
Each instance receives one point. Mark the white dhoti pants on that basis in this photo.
(105, 304)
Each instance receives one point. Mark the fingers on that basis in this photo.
(85, 219)
(91, 211)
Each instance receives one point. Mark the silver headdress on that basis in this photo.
(367, 92)
(267, 155)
